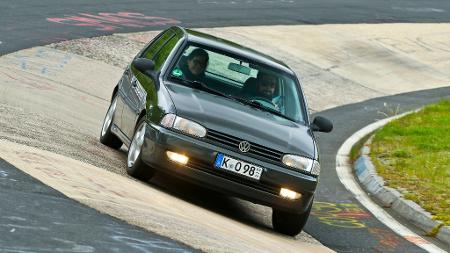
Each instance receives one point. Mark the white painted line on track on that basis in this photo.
(344, 171)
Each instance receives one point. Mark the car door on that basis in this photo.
(141, 87)
(124, 99)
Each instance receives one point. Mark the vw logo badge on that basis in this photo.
(244, 146)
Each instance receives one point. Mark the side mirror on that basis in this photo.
(321, 124)
(144, 65)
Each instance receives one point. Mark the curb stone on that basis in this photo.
(391, 198)
(444, 234)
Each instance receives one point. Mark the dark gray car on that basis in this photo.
(220, 115)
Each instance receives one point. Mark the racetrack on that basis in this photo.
(55, 101)
(26, 24)
(61, 84)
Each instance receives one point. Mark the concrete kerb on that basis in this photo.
(60, 86)
(444, 234)
(390, 198)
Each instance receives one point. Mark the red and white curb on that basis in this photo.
(344, 172)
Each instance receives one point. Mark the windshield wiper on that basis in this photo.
(202, 86)
(259, 106)
(181, 79)
(263, 108)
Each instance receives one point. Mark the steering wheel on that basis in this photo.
(264, 102)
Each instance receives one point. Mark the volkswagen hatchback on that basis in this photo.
(221, 115)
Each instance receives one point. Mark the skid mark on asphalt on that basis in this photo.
(433, 43)
(106, 21)
(28, 81)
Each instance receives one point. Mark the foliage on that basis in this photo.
(412, 154)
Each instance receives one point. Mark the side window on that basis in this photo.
(164, 52)
(153, 48)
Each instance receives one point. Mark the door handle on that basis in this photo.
(133, 82)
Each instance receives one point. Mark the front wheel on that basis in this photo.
(135, 166)
(289, 223)
(106, 136)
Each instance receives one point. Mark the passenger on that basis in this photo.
(194, 67)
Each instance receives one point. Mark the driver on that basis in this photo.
(266, 85)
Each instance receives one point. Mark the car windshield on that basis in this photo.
(253, 84)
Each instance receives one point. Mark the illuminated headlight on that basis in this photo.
(179, 158)
(302, 163)
(184, 125)
(288, 194)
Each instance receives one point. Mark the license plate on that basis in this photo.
(238, 166)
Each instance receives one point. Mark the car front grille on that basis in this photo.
(209, 167)
(233, 142)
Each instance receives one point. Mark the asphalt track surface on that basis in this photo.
(338, 220)
(36, 218)
(341, 223)
(30, 23)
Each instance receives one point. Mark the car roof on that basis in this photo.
(234, 48)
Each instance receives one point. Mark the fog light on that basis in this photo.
(288, 194)
(179, 158)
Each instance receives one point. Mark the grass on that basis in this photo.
(355, 152)
(412, 154)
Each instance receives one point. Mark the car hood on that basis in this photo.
(245, 122)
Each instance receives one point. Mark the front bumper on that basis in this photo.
(200, 170)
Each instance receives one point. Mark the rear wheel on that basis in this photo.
(289, 223)
(106, 136)
(135, 166)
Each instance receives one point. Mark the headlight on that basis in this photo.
(302, 163)
(184, 125)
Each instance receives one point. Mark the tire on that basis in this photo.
(135, 166)
(289, 223)
(106, 136)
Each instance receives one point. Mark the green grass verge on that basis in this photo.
(412, 154)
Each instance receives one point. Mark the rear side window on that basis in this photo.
(164, 52)
(159, 50)
(154, 47)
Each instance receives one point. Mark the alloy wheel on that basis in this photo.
(136, 145)
(109, 116)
